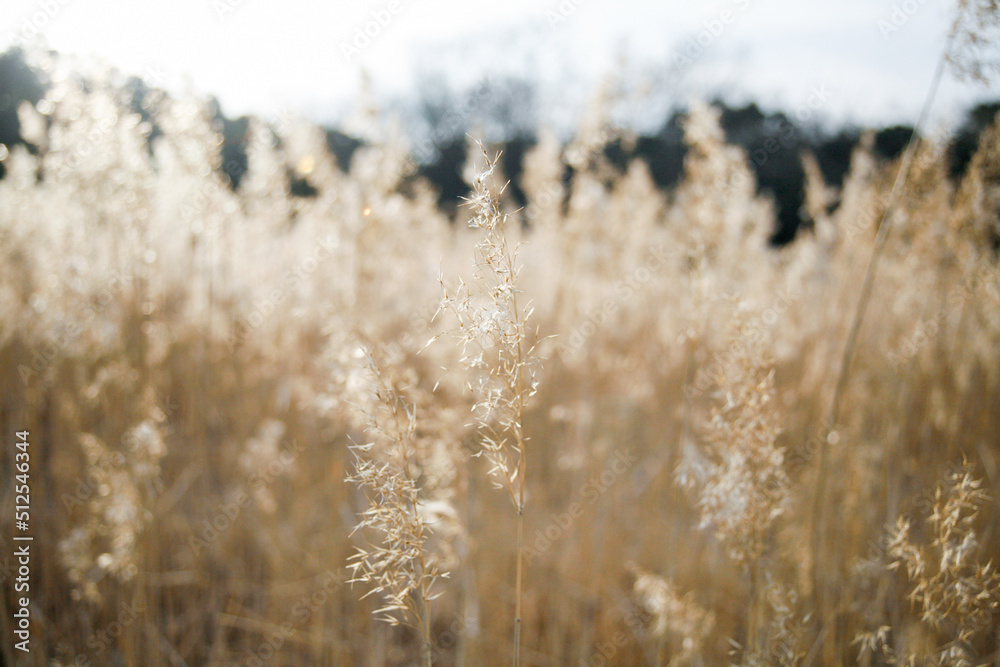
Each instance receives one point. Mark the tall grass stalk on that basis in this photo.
(493, 334)
(399, 568)
(847, 356)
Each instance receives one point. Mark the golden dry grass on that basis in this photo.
(191, 365)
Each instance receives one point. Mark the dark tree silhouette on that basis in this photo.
(966, 139)
(890, 142)
(342, 146)
(18, 83)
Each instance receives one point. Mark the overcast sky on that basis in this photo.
(263, 56)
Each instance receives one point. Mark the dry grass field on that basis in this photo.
(261, 424)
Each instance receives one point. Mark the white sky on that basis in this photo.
(263, 56)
